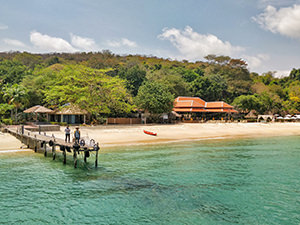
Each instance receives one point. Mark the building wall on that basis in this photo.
(124, 121)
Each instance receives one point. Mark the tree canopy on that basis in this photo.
(155, 97)
(107, 84)
(88, 88)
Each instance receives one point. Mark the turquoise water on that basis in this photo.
(255, 181)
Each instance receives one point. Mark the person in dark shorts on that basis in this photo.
(68, 133)
(77, 135)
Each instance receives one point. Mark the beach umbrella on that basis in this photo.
(297, 116)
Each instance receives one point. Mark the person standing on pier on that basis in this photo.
(77, 135)
(68, 133)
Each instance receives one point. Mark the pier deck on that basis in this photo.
(38, 142)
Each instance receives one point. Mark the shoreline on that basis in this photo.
(122, 136)
(112, 138)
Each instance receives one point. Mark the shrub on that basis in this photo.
(7, 121)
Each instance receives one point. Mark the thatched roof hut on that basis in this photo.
(251, 115)
(38, 109)
(70, 109)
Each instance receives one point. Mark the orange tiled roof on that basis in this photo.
(204, 110)
(195, 104)
(217, 105)
(188, 103)
(195, 99)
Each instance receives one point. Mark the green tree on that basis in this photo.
(90, 89)
(28, 59)
(247, 103)
(17, 96)
(221, 60)
(292, 102)
(211, 88)
(233, 71)
(154, 97)
(4, 110)
(52, 60)
(40, 81)
(134, 77)
(295, 74)
(188, 75)
(12, 72)
(172, 79)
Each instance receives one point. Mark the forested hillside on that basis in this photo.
(106, 84)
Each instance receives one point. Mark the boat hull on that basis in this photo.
(150, 133)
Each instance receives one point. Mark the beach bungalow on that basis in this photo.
(39, 112)
(70, 114)
(251, 116)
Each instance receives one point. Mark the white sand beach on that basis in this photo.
(114, 136)
(118, 136)
(9, 143)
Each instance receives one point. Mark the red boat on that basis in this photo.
(150, 133)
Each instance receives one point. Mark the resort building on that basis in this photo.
(188, 105)
(70, 114)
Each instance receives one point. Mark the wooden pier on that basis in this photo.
(39, 142)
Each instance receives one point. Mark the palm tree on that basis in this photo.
(17, 96)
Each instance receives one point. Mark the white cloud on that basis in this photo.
(285, 21)
(279, 3)
(84, 43)
(3, 27)
(194, 46)
(282, 73)
(128, 43)
(50, 44)
(12, 42)
(255, 62)
(123, 42)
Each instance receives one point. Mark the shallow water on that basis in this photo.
(254, 181)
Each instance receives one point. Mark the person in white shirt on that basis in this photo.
(67, 132)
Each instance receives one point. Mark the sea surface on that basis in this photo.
(245, 181)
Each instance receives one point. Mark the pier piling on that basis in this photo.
(65, 156)
(75, 159)
(45, 149)
(53, 152)
(35, 145)
(96, 161)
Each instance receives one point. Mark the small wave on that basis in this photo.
(15, 150)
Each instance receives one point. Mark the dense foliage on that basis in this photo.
(105, 84)
(155, 97)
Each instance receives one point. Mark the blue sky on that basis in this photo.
(265, 33)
